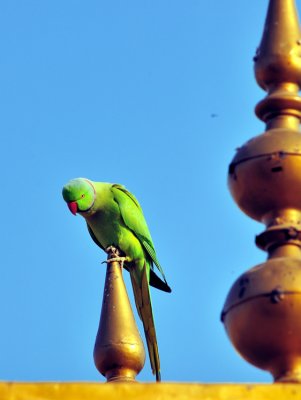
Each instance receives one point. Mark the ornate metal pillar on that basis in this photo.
(262, 313)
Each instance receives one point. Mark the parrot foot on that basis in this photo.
(121, 261)
(112, 251)
(114, 255)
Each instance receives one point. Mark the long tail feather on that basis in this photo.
(144, 308)
(156, 282)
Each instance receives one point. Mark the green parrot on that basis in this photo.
(115, 220)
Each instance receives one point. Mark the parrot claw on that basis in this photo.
(112, 251)
(121, 261)
(114, 255)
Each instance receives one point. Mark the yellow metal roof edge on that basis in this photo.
(147, 391)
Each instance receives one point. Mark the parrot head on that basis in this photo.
(79, 194)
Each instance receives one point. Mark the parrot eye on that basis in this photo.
(82, 196)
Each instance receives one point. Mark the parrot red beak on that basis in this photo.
(72, 207)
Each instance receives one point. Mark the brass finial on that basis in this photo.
(278, 57)
(119, 352)
(278, 65)
(262, 311)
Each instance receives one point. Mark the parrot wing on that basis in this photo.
(133, 218)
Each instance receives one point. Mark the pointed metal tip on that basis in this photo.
(278, 58)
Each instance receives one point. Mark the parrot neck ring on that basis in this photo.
(90, 183)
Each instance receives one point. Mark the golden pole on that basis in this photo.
(119, 352)
(262, 313)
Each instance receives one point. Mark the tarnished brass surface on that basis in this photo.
(270, 279)
(278, 58)
(282, 99)
(265, 177)
(262, 317)
(268, 336)
(147, 391)
(119, 352)
(262, 313)
(281, 240)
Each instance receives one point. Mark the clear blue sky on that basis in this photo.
(124, 91)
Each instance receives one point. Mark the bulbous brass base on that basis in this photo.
(264, 176)
(119, 352)
(262, 316)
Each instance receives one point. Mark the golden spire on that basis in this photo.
(278, 65)
(262, 311)
(119, 352)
